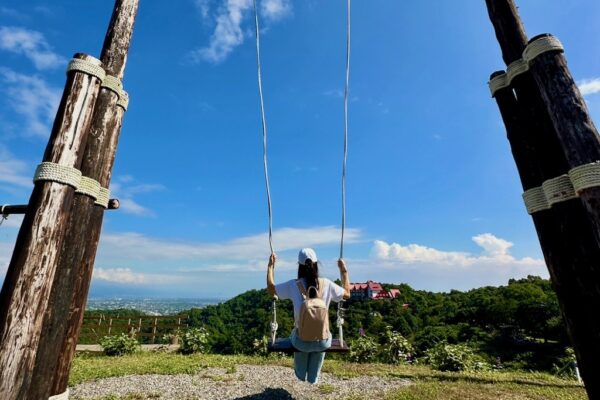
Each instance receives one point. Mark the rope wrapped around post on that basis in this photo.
(562, 188)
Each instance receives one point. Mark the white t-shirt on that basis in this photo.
(289, 290)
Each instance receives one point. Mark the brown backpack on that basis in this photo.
(314, 316)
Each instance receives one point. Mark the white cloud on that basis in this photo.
(492, 245)
(129, 277)
(13, 171)
(203, 6)
(125, 188)
(495, 252)
(589, 86)
(228, 32)
(118, 275)
(32, 45)
(31, 97)
(135, 246)
(228, 20)
(275, 9)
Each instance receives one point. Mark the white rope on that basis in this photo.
(52, 172)
(562, 188)
(516, 68)
(340, 323)
(346, 91)
(585, 176)
(113, 83)
(63, 396)
(89, 187)
(558, 189)
(87, 67)
(264, 127)
(540, 46)
(535, 200)
(123, 101)
(103, 198)
(48, 171)
(534, 49)
(274, 325)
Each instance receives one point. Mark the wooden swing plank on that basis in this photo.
(284, 346)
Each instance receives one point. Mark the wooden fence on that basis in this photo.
(146, 328)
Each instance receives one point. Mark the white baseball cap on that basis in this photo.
(305, 254)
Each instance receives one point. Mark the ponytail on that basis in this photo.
(310, 272)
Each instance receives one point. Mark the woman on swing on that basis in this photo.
(311, 335)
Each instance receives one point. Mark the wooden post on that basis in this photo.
(26, 288)
(571, 120)
(567, 236)
(71, 285)
(154, 330)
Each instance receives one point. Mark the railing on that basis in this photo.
(146, 328)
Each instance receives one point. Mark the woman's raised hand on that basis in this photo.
(342, 265)
(272, 260)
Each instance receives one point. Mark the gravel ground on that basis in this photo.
(247, 382)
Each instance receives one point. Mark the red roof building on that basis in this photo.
(371, 290)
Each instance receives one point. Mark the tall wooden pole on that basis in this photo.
(566, 234)
(72, 280)
(571, 120)
(26, 288)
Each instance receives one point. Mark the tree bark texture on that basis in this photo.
(27, 285)
(72, 280)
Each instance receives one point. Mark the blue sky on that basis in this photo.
(434, 199)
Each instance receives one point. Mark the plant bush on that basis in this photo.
(194, 340)
(260, 346)
(454, 357)
(363, 350)
(119, 345)
(565, 368)
(396, 348)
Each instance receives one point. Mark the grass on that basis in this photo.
(427, 384)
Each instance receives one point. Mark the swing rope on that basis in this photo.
(346, 92)
(264, 127)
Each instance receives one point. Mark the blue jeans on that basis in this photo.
(309, 360)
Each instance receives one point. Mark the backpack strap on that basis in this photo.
(321, 290)
(305, 293)
(301, 288)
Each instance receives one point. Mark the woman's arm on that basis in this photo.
(270, 275)
(344, 278)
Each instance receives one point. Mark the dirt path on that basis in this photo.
(247, 382)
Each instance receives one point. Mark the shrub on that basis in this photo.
(119, 345)
(396, 348)
(363, 350)
(194, 340)
(566, 365)
(260, 346)
(454, 357)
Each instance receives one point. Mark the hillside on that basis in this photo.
(517, 325)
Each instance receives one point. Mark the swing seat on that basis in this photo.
(284, 346)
